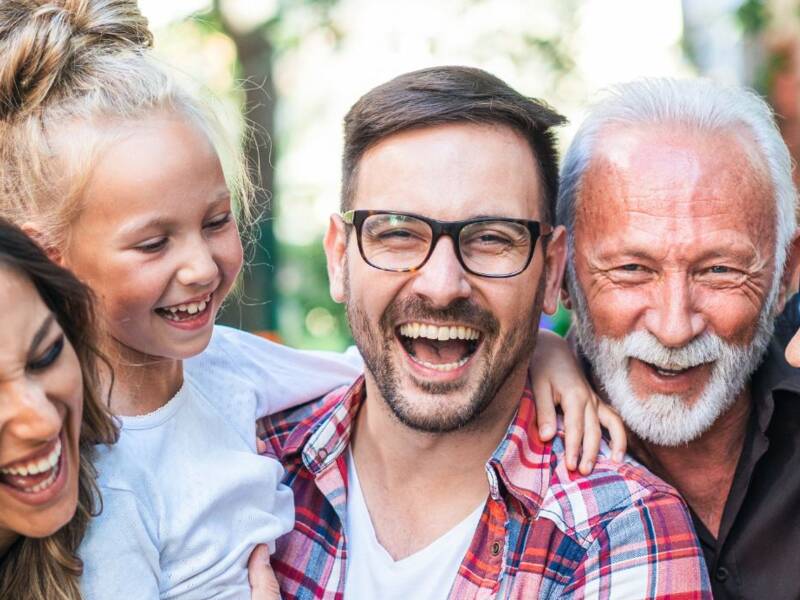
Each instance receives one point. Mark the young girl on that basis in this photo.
(111, 166)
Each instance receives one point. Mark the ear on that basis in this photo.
(791, 273)
(555, 261)
(34, 231)
(336, 253)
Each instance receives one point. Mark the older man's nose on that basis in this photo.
(442, 279)
(672, 317)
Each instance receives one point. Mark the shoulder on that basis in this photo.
(286, 432)
(583, 507)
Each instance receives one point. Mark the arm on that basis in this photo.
(280, 376)
(557, 380)
(120, 551)
(647, 552)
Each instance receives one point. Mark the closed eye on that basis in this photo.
(220, 221)
(49, 356)
(152, 246)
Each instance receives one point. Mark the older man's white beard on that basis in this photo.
(668, 419)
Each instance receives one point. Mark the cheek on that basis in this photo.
(732, 316)
(614, 312)
(229, 255)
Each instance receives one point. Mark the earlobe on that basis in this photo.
(335, 251)
(555, 261)
(36, 233)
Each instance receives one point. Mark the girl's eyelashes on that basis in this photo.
(152, 245)
(219, 222)
(49, 357)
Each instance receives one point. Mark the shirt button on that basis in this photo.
(495, 549)
(322, 454)
(722, 574)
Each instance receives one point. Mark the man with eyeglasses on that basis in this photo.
(421, 480)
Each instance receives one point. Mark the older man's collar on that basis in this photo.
(774, 375)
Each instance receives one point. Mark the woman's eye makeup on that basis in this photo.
(49, 356)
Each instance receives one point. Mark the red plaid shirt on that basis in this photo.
(544, 532)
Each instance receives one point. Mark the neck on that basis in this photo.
(7, 539)
(703, 469)
(408, 477)
(404, 453)
(141, 383)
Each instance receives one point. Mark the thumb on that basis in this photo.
(263, 584)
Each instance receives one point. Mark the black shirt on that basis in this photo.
(757, 552)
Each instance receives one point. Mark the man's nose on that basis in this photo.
(442, 279)
(198, 267)
(672, 317)
(27, 414)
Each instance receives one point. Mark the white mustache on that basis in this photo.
(644, 346)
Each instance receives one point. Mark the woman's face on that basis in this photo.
(41, 402)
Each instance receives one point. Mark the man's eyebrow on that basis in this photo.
(44, 328)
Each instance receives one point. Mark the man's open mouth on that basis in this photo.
(187, 311)
(669, 373)
(439, 347)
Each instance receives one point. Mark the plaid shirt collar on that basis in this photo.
(520, 463)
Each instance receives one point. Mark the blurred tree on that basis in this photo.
(258, 38)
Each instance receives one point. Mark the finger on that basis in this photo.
(261, 446)
(591, 439)
(263, 584)
(616, 430)
(545, 411)
(574, 414)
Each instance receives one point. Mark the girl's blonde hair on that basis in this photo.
(69, 71)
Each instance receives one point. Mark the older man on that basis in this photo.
(680, 207)
(421, 481)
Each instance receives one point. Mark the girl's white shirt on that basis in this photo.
(185, 496)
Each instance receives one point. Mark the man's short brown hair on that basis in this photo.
(440, 95)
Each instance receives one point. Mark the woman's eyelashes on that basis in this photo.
(49, 356)
(220, 221)
(154, 245)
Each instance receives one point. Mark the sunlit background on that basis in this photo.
(295, 67)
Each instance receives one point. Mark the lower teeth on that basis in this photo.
(442, 367)
(44, 484)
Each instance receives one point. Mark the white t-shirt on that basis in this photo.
(185, 496)
(372, 573)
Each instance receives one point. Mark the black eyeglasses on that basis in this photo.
(489, 247)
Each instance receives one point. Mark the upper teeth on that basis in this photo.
(434, 332)
(192, 307)
(36, 466)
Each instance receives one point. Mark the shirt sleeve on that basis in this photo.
(282, 377)
(120, 551)
(647, 551)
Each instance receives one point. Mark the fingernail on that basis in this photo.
(587, 467)
(546, 431)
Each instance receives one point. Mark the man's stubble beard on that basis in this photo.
(667, 419)
(376, 350)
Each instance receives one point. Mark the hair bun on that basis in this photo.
(45, 45)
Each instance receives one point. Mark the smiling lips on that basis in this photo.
(439, 347)
(34, 475)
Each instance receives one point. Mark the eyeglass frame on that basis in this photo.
(451, 229)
